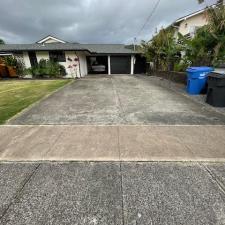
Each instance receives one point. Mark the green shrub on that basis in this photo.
(16, 62)
(10, 61)
(62, 70)
(182, 66)
(47, 68)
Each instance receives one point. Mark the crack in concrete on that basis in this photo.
(121, 176)
(213, 176)
(18, 193)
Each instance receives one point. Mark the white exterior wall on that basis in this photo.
(83, 63)
(132, 64)
(109, 65)
(26, 60)
(187, 25)
(50, 41)
(74, 71)
(42, 55)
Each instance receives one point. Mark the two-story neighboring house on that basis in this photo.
(187, 25)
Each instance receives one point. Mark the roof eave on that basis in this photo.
(42, 50)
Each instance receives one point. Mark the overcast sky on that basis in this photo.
(88, 21)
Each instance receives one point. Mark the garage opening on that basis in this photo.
(97, 64)
(120, 64)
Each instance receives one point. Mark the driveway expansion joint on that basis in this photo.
(119, 103)
(122, 194)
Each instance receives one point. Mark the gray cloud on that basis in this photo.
(87, 21)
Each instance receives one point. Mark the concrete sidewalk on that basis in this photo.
(109, 193)
(112, 143)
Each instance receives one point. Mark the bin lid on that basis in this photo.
(200, 69)
(217, 75)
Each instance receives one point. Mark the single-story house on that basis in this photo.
(79, 59)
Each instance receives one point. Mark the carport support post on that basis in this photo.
(132, 64)
(109, 65)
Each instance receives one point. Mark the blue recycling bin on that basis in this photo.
(197, 78)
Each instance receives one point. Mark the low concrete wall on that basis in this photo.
(178, 77)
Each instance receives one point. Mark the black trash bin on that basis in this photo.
(216, 90)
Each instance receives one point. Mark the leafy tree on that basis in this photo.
(1, 41)
(216, 28)
(163, 50)
(208, 45)
(199, 50)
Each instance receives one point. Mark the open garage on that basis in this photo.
(97, 64)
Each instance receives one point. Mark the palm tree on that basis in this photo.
(1, 41)
(216, 27)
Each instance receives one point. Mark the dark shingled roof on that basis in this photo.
(108, 48)
(92, 48)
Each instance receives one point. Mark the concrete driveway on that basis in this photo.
(118, 100)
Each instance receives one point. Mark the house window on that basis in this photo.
(57, 56)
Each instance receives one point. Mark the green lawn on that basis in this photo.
(17, 95)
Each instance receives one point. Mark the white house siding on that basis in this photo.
(42, 55)
(50, 41)
(26, 60)
(109, 65)
(132, 64)
(188, 25)
(83, 63)
(74, 71)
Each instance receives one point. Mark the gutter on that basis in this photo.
(41, 50)
(5, 54)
